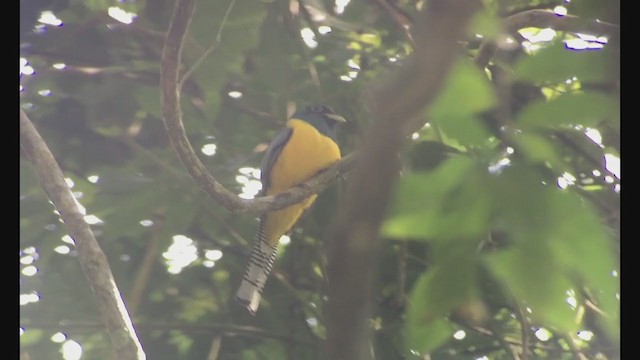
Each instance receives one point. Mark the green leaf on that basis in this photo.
(587, 109)
(538, 148)
(580, 233)
(423, 334)
(466, 129)
(556, 243)
(556, 64)
(367, 38)
(421, 202)
(531, 273)
(427, 155)
(485, 23)
(449, 284)
(466, 91)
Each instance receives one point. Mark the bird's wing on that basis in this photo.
(271, 155)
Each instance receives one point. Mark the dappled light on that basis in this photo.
(249, 179)
(29, 270)
(543, 334)
(324, 29)
(27, 260)
(121, 15)
(340, 6)
(146, 222)
(459, 335)
(180, 254)
(68, 239)
(93, 179)
(25, 68)
(209, 149)
(58, 337)
(594, 135)
(571, 299)
(612, 164)
(560, 10)
(309, 37)
(284, 240)
(29, 298)
(48, 18)
(71, 350)
(234, 94)
(62, 249)
(565, 180)
(585, 335)
(493, 231)
(93, 220)
(213, 254)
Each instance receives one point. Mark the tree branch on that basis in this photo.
(353, 242)
(402, 19)
(544, 19)
(214, 329)
(92, 259)
(172, 116)
(141, 280)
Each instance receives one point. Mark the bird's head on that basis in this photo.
(321, 117)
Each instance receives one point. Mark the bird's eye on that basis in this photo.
(317, 108)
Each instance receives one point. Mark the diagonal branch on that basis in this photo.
(93, 261)
(216, 329)
(172, 116)
(402, 19)
(353, 242)
(544, 19)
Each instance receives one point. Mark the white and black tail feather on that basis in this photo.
(260, 264)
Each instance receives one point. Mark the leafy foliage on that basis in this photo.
(504, 225)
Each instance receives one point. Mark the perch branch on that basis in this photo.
(92, 259)
(172, 117)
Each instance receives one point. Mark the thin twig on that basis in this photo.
(292, 290)
(215, 348)
(597, 162)
(524, 329)
(313, 71)
(144, 271)
(210, 49)
(402, 20)
(402, 273)
(573, 347)
(93, 261)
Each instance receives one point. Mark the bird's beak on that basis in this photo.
(336, 117)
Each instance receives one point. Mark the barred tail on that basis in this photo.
(260, 264)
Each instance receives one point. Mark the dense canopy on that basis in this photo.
(481, 220)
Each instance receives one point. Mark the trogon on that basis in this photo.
(303, 148)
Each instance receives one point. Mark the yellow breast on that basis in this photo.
(305, 154)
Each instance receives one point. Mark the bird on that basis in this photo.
(306, 146)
